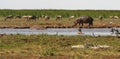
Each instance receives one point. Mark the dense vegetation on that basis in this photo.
(57, 45)
(64, 13)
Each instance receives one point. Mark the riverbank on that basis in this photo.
(52, 23)
(53, 26)
(44, 46)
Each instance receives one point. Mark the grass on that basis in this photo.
(57, 45)
(52, 23)
(64, 13)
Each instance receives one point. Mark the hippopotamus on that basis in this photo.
(84, 19)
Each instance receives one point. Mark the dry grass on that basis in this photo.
(40, 46)
(52, 23)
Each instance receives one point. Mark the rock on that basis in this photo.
(91, 46)
(103, 46)
(95, 47)
(78, 46)
(100, 47)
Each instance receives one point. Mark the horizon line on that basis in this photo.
(52, 9)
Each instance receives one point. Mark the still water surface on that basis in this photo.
(61, 31)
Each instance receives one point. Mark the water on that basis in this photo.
(60, 31)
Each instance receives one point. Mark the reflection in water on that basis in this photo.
(61, 31)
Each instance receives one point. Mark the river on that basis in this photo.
(60, 31)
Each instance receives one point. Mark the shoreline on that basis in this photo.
(44, 27)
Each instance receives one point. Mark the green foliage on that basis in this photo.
(55, 40)
(58, 45)
(48, 52)
(64, 13)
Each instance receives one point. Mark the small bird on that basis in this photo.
(79, 29)
(80, 32)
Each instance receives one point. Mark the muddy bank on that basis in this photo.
(54, 26)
